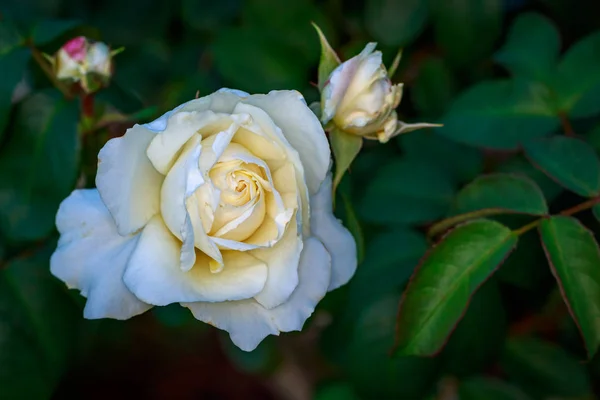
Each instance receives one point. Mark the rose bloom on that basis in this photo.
(360, 99)
(222, 205)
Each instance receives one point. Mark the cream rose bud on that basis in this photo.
(222, 205)
(360, 99)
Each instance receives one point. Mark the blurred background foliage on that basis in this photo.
(496, 72)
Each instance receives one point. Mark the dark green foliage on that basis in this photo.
(459, 229)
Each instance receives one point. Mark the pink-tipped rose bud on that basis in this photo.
(84, 61)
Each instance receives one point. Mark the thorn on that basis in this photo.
(197, 94)
(314, 84)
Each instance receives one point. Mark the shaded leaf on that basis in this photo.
(38, 327)
(390, 260)
(500, 114)
(395, 23)
(408, 191)
(505, 192)
(368, 364)
(570, 162)
(30, 191)
(578, 81)
(479, 336)
(520, 166)
(574, 257)
(532, 47)
(484, 388)
(441, 288)
(466, 29)
(434, 88)
(12, 65)
(543, 369)
(46, 30)
(209, 15)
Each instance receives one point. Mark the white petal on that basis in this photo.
(335, 89)
(301, 128)
(91, 256)
(338, 241)
(127, 181)
(167, 144)
(239, 93)
(248, 323)
(282, 261)
(153, 273)
(179, 206)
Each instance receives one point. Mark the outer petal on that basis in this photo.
(91, 256)
(282, 260)
(153, 273)
(127, 181)
(338, 241)
(248, 323)
(301, 128)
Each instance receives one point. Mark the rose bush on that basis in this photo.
(222, 205)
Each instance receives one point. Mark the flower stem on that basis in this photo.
(47, 69)
(569, 211)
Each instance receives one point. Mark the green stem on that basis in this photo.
(47, 69)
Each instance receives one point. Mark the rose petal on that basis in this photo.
(338, 241)
(179, 206)
(127, 181)
(91, 256)
(282, 261)
(153, 273)
(248, 323)
(301, 128)
(166, 145)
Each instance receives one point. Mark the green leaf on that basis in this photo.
(442, 286)
(45, 135)
(532, 47)
(345, 148)
(484, 388)
(336, 391)
(526, 266)
(520, 166)
(395, 23)
(544, 370)
(38, 325)
(578, 80)
(505, 192)
(209, 15)
(13, 65)
(10, 38)
(574, 258)
(407, 191)
(479, 336)
(368, 364)
(329, 60)
(463, 163)
(434, 88)
(390, 260)
(466, 30)
(353, 224)
(500, 114)
(49, 29)
(275, 64)
(570, 162)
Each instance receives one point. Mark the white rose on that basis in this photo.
(360, 99)
(222, 205)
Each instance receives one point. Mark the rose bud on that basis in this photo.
(359, 98)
